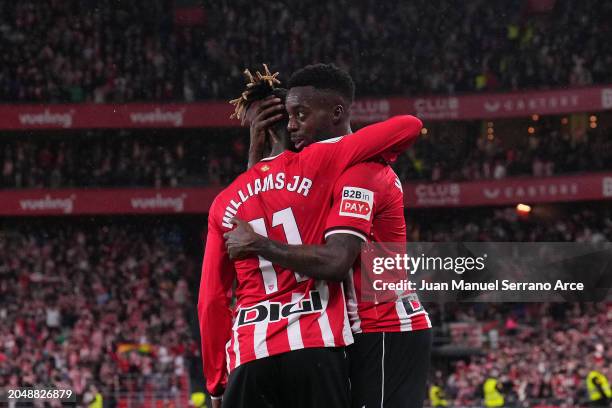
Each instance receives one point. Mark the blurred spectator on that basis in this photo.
(546, 363)
(119, 159)
(552, 152)
(83, 306)
(579, 224)
(543, 351)
(171, 159)
(89, 306)
(106, 51)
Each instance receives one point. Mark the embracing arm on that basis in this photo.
(386, 139)
(330, 261)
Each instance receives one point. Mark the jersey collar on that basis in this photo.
(271, 157)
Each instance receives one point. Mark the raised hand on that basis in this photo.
(265, 114)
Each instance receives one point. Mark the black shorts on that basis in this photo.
(308, 378)
(390, 369)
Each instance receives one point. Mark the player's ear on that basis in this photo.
(338, 114)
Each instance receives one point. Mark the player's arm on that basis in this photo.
(350, 218)
(214, 310)
(267, 113)
(330, 261)
(348, 225)
(387, 139)
(357, 196)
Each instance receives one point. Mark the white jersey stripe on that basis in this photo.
(269, 275)
(286, 219)
(346, 231)
(351, 302)
(267, 270)
(404, 319)
(259, 338)
(347, 334)
(227, 355)
(294, 332)
(326, 330)
(236, 349)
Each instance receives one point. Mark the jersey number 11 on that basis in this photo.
(287, 220)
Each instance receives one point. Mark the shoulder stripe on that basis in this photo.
(398, 184)
(346, 231)
(332, 140)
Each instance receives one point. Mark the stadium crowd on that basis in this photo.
(115, 159)
(103, 307)
(87, 306)
(122, 159)
(540, 352)
(443, 156)
(104, 51)
(574, 224)
(90, 307)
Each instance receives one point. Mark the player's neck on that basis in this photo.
(342, 130)
(277, 149)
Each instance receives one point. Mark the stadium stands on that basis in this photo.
(106, 304)
(108, 301)
(123, 159)
(544, 360)
(137, 158)
(102, 51)
(568, 223)
(555, 151)
(542, 351)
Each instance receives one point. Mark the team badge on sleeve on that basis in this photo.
(357, 202)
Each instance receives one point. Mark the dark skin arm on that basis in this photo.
(267, 113)
(330, 261)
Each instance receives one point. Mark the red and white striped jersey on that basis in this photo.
(368, 202)
(286, 198)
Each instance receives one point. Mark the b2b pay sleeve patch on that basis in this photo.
(357, 202)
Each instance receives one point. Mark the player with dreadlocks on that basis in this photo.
(282, 343)
(262, 104)
(390, 357)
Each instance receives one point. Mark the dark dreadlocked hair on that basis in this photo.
(325, 77)
(258, 87)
